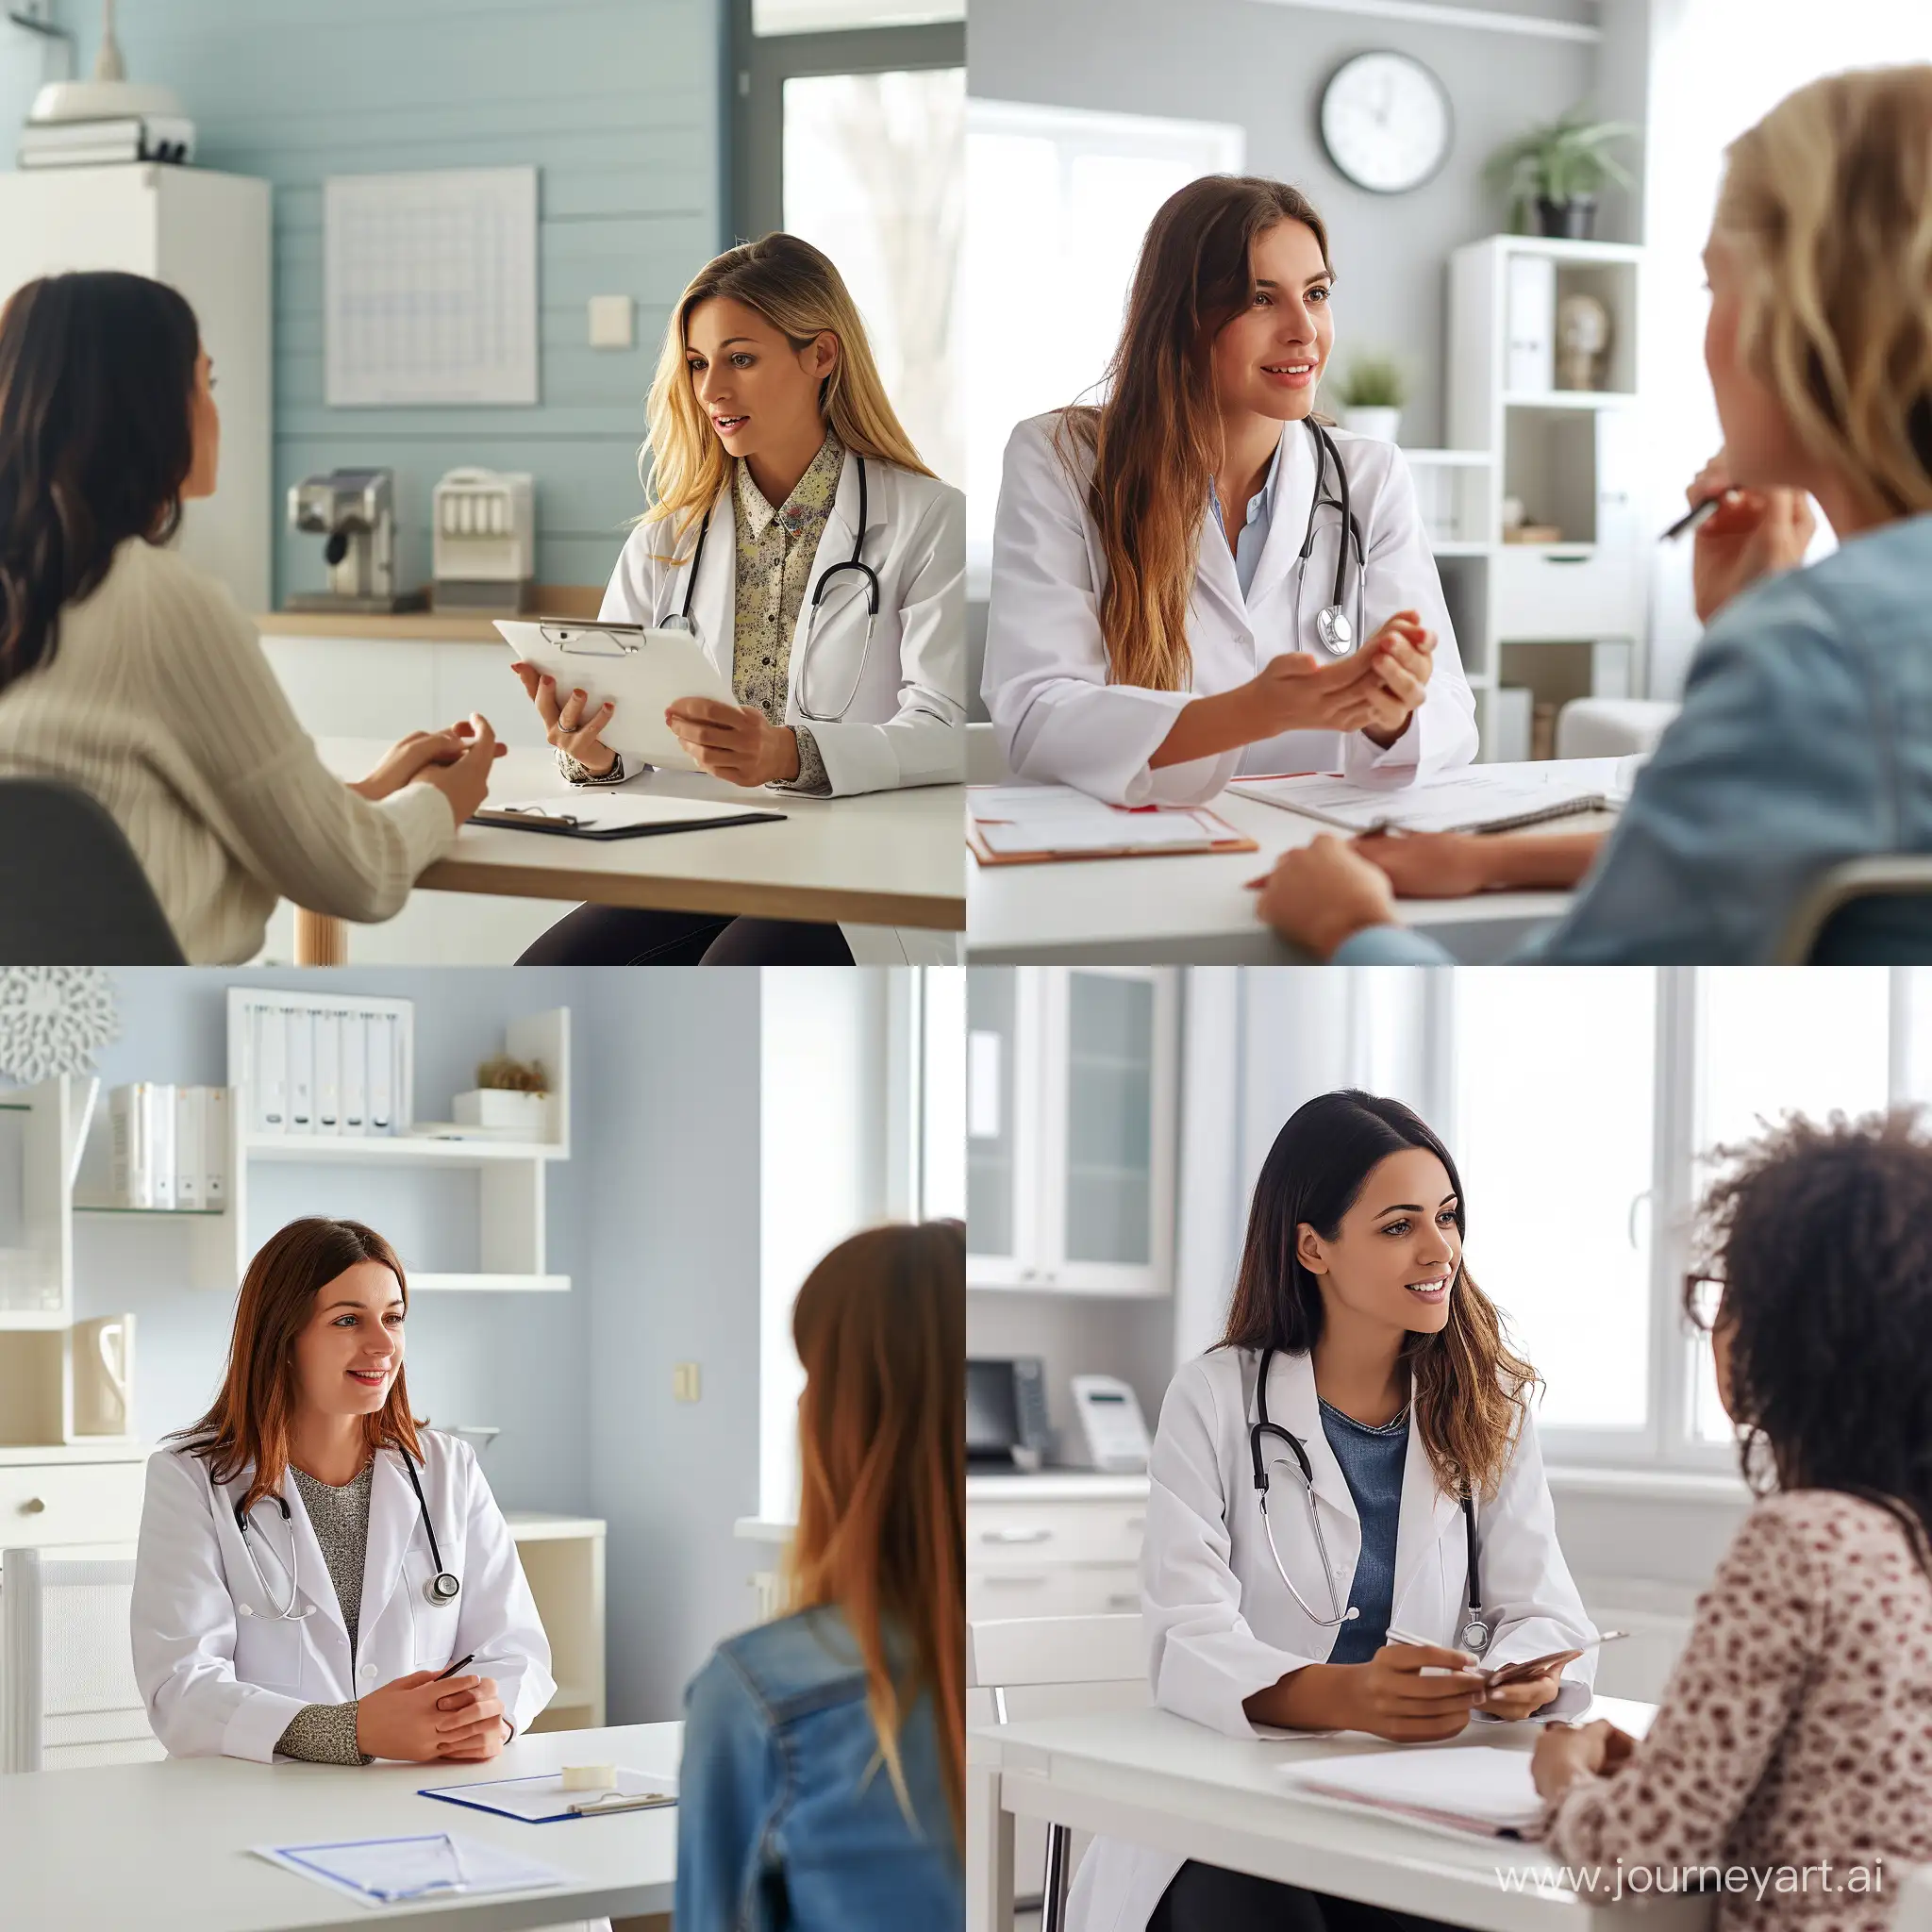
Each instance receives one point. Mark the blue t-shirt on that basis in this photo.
(1372, 1460)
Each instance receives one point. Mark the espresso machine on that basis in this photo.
(355, 512)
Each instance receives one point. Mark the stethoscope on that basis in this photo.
(1476, 1633)
(1333, 631)
(683, 621)
(442, 1589)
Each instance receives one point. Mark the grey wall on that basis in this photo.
(1263, 66)
(619, 104)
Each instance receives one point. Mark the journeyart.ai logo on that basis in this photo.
(1646, 1881)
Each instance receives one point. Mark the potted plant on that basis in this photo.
(510, 1095)
(1373, 394)
(1560, 168)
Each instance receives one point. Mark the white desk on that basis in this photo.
(1156, 1779)
(1198, 910)
(164, 1846)
(891, 858)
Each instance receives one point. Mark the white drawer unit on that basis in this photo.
(50, 1499)
(1564, 593)
(1014, 1535)
(1073, 1552)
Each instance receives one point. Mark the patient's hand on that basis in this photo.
(1430, 865)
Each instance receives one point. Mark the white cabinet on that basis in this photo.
(208, 235)
(563, 1563)
(1071, 1101)
(72, 1500)
(1054, 1545)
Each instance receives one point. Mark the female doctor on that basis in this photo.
(1200, 579)
(310, 1559)
(1308, 1486)
(820, 565)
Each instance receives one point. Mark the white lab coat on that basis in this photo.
(1061, 722)
(1218, 1622)
(222, 1677)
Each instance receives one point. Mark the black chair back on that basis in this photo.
(71, 891)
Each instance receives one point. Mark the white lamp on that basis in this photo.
(110, 95)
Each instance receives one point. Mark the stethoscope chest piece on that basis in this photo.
(442, 1587)
(1473, 1637)
(1334, 632)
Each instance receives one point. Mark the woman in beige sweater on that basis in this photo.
(1789, 1766)
(127, 671)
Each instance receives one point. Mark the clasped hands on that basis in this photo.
(1376, 691)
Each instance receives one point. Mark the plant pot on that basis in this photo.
(1567, 221)
(1380, 423)
(501, 1106)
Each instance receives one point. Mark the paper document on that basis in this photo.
(386, 1870)
(1482, 798)
(1057, 818)
(542, 1799)
(1472, 1787)
(612, 811)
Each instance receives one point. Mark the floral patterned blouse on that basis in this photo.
(1794, 1744)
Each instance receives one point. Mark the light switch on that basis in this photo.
(684, 1381)
(613, 322)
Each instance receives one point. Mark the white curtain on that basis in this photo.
(1717, 66)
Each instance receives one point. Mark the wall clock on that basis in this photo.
(1386, 121)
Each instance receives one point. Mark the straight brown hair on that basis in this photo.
(880, 1326)
(248, 1424)
(1155, 439)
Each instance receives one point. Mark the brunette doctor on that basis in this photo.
(1308, 1480)
(796, 533)
(1200, 579)
(310, 1558)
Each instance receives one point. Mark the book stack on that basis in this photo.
(171, 1146)
(322, 1067)
(95, 143)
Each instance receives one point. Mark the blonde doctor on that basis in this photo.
(310, 1559)
(794, 531)
(1307, 1502)
(1200, 579)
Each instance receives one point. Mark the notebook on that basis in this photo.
(629, 817)
(1481, 798)
(1468, 1788)
(1026, 825)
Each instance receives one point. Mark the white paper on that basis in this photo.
(605, 813)
(1478, 795)
(378, 1872)
(430, 287)
(1483, 1788)
(543, 1796)
(983, 1086)
(1057, 818)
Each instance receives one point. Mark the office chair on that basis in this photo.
(67, 1691)
(71, 891)
(1865, 912)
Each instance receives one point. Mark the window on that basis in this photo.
(1058, 200)
(941, 1165)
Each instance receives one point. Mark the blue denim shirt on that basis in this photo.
(1805, 739)
(786, 1817)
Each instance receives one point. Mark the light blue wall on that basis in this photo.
(617, 104)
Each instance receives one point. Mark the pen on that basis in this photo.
(643, 1801)
(454, 1668)
(1691, 517)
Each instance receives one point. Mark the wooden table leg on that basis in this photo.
(320, 938)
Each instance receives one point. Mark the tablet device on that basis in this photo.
(640, 670)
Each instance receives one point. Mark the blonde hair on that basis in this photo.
(1827, 205)
(880, 1326)
(798, 291)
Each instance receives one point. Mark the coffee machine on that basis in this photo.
(354, 510)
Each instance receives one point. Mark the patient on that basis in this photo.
(824, 1753)
(1805, 736)
(129, 674)
(1794, 1729)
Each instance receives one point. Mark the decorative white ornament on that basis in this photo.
(53, 1020)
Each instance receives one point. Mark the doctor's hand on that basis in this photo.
(1324, 893)
(408, 1719)
(1752, 534)
(1401, 656)
(1513, 1702)
(734, 741)
(565, 726)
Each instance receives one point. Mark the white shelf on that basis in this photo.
(399, 1150)
(1449, 547)
(1570, 399)
(1449, 459)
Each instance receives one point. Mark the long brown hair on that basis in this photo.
(96, 440)
(1829, 202)
(880, 1326)
(798, 289)
(1155, 439)
(248, 1424)
(1467, 1390)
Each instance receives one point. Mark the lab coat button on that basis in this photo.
(248, 1610)
(368, 1672)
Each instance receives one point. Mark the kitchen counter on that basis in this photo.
(575, 601)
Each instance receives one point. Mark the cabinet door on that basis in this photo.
(1112, 1129)
(1000, 1057)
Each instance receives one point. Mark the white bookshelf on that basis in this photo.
(1571, 612)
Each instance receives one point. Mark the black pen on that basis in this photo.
(1693, 516)
(454, 1668)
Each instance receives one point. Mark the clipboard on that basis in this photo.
(610, 817)
(1216, 836)
(640, 670)
(542, 1800)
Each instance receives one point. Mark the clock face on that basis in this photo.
(1385, 123)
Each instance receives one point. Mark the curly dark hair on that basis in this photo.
(1821, 1240)
(96, 440)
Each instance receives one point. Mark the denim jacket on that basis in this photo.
(1805, 739)
(786, 1817)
